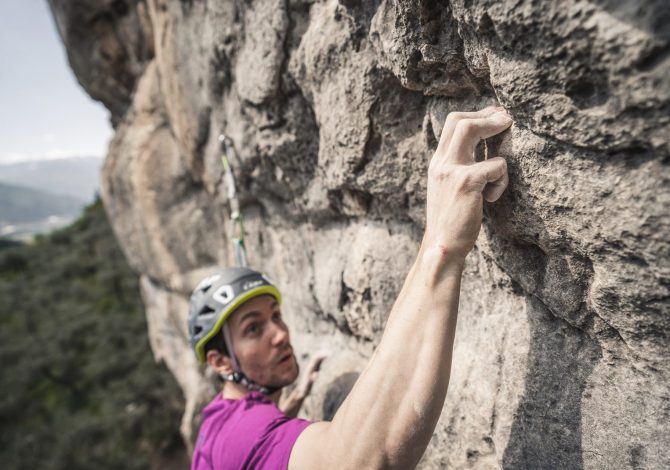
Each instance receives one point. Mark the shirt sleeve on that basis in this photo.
(273, 450)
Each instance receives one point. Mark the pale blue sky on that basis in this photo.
(44, 112)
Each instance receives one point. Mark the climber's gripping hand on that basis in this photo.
(457, 185)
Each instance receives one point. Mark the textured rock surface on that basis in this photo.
(562, 356)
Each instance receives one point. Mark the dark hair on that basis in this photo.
(217, 343)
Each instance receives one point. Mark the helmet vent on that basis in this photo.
(205, 310)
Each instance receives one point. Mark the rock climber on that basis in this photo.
(389, 416)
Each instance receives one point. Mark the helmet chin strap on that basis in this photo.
(238, 376)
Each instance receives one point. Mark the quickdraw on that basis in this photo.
(237, 221)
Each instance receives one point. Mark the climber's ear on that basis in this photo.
(219, 362)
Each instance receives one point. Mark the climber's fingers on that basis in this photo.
(315, 364)
(496, 183)
(488, 177)
(452, 120)
(468, 133)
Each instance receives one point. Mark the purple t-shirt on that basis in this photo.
(249, 433)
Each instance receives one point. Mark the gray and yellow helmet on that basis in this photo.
(217, 297)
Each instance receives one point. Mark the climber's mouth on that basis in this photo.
(285, 358)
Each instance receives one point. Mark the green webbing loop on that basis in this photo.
(228, 149)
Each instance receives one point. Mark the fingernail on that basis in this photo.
(504, 117)
(499, 108)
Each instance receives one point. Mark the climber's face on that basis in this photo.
(261, 342)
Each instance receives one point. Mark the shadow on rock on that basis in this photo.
(554, 278)
(338, 390)
(547, 431)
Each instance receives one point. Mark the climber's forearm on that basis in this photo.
(398, 399)
(389, 417)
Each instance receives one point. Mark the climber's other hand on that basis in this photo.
(311, 374)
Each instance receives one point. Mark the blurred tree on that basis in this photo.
(80, 388)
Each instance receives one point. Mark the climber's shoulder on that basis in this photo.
(310, 449)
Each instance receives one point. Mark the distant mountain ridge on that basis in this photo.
(19, 204)
(76, 176)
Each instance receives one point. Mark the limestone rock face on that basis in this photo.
(562, 357)
(108, 44)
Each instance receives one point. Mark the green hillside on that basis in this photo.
(20, 204)
(80, 388)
